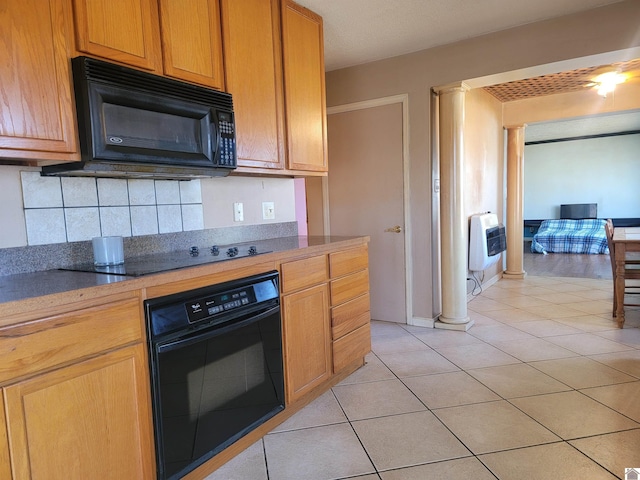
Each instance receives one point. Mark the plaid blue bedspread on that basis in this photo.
(571, 236)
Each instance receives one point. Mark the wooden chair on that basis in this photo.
(631, 270)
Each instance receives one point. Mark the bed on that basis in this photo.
(586, 235)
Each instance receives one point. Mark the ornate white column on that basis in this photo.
(453, 221)
(515, 202)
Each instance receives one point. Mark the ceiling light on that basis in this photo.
(606, 82)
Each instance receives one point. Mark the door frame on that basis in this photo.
(402, 99)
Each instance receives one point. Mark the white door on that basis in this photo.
(366, 197)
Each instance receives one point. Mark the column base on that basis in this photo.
(461, 327)
(514, 275)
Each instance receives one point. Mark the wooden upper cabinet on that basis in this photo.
(36, 112)
(253, 69)
(192, 41)
(125, 31)
(304, 88)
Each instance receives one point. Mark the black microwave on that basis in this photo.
(136, 124)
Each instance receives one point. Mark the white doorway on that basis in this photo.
(366, 193)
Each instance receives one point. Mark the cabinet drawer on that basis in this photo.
(349, 316)
(351, 286)
(42, 344)
(348, 261)
(351, 347)
(303, 273)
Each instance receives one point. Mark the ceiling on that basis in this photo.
(362, 31)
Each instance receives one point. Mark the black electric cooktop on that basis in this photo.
(162, 262)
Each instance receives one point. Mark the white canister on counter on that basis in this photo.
(108, 251)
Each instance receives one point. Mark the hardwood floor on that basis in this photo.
(566, 264)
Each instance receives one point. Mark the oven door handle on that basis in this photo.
(219, 329)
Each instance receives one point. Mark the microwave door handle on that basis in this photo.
(214, 138)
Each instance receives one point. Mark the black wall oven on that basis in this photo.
(216, 368)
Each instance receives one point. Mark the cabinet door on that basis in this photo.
(126, 31)
(307, 340)
(253, 69)
(303, 51)
(5, 466)
(35, 91)
(192, 41)
(88, 420)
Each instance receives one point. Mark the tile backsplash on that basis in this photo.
(70, 209)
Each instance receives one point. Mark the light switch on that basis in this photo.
(268, 211)
(238, 212)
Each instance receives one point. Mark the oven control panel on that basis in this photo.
(198, 310)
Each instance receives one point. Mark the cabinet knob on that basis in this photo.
(396, 229)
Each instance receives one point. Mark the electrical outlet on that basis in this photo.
(238, 212)
(268, 211)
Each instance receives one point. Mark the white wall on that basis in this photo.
(604, 170)
(219, 195)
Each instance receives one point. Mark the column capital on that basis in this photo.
(451, 88)
(513, 127)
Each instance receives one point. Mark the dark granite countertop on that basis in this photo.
(27, 291)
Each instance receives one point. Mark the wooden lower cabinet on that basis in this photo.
(5, 465)
(307, 340)
(83, 421)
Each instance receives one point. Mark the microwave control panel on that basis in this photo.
(227, 140)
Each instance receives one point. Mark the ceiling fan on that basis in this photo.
(604, 79)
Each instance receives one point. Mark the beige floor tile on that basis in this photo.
(480, 319)
(627, 362)
(520, 380)
(623, 398)
(406, 440)
(534, 349)
(555, 311)
(449, 390)
(463, 468)
(324, 410)
(372, 371)
(437, 338)
(482, 305)
(498, 333)
(546, 328)
(400, 343)
(595, 294)
(527, 301)
(593, 307)
(560, 297)
(476, 356)
(249, 464)
(573, 415)
(376, 399)
(587, 344)
(319, 453)
(412, 363)
(569, 287)
(493, 426)
(626, 336)
(514, 315)
(544, 462)
(385, 328)
(581, 372)
(497, 293)
(589, 323)
(614, 451)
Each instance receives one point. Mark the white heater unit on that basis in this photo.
(487, 240)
